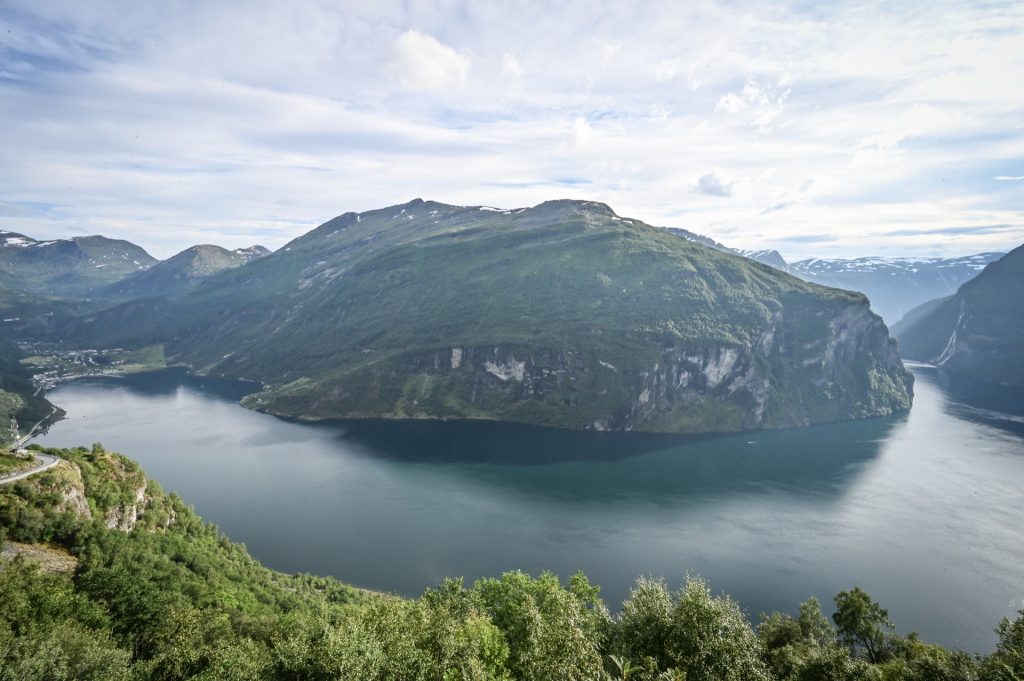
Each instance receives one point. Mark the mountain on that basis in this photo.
(252, 252)
(67, 267)
(768, 257)
(563, 314)
(894, 285)
(979, 331)
(699, 239)
(184, 271)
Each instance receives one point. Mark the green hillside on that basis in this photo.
(563, 314)
(978, 332)
(182, 272)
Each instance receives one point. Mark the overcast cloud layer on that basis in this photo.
(849, 129)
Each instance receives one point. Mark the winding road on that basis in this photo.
(43, 462)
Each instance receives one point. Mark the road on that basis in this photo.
(20, 442)
(43, 462)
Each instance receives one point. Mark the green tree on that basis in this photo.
(1007, 662)
(67, 652)
(814, 626)
(710, 638)
(553, 633)
(645, 621)
(862, 624)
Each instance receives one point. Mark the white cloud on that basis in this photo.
(732, 102)
(582, 132)
(713, 185)
(764, 103)
(170, 126)
(1009, 178)
(421, 62)
(511, 69)
(668, 70)
(608, 51)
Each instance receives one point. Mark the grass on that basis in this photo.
(10, 463)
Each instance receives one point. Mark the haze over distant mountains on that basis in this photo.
(893, 285)
(94, 266)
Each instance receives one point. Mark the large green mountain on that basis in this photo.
(979, 331)
(563, 314)
(184, 271)
(67, 268)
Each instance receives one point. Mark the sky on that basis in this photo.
(821, 129)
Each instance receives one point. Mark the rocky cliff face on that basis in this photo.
(70, 491)
(93, 486)
(791, 374)
(979, 331)
(125, 516)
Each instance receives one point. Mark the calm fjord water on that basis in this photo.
(923, 510)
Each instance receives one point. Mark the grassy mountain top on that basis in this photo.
(168, 597)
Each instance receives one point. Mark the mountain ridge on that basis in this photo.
(562, 314)
(183, 271)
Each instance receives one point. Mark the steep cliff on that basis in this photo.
(979, 331)
(87, 484)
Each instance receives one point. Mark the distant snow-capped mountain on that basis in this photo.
(74, 266)
(893, 285)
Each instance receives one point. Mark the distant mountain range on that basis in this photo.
(563, 314)
(893, 285)
(978, 331)
(67, 267)
(98, 267)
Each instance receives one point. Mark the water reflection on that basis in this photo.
(1000, 406)
(584, 466)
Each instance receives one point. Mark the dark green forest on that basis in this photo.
(157, 594)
